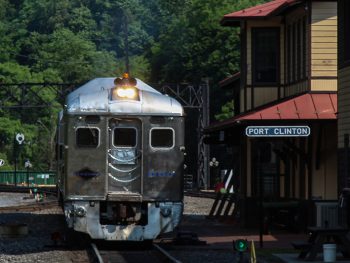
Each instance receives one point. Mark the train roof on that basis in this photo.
(95, 97)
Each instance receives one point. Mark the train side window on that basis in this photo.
(125, 137)
(162, 138)
(87, 137)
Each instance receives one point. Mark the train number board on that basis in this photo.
(277, 131)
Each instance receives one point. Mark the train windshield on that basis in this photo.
(87, 137)
(125, 137)
(162, 138)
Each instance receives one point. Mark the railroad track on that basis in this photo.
(25, 189)
(29, 207)
(153, 254)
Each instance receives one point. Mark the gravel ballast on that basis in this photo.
(37, 246)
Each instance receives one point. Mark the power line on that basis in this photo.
(47, 60)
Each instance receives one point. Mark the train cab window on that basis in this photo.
(162, 138)
(125, 137)
(87, 137)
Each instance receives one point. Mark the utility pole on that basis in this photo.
(126, 40)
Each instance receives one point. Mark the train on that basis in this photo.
(120, 154)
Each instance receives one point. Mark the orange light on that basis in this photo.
(126, 75)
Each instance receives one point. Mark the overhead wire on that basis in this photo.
(47, 60)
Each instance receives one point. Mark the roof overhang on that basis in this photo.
(263, 11)
(306, 107)
(230, 80)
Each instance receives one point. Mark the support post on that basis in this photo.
(261, 196)
(203, 177)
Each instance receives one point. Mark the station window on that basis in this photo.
(162, 138)
(125, 137)
(265, 55)
(87, 137)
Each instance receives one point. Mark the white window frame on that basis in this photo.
(161, 148)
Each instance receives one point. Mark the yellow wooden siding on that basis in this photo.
(326, 6)
(323, 56)
(324, 60)
(343, 105)
(325, 39)
(328, 73)
(324, 85)
(326, 22)
(325, 33)
(241, 97)
(263, 95)
(249, 96)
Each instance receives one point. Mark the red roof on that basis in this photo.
(260, 11)
(309, 106)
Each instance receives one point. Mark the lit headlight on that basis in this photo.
(129, 93)
(125, 93)
(80, 211)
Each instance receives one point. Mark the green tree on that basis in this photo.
(227, 111)
(74, 58)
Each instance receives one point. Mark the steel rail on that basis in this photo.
(97, 257)
(29, 207)
(96, 253)
(166, 254)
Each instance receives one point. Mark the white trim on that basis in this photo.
(161, 148)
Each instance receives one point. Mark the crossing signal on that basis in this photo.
(240, 245)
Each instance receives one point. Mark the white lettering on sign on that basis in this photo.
(277, 131)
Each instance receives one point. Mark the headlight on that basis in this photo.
(80, 211)
(125, 93)
(129, 93)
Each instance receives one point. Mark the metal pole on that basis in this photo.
(127, 66)
(28, 176)
(15, 159)
(15, 178)
(206, 121)
(203, 174)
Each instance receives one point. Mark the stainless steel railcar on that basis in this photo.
(120, 160)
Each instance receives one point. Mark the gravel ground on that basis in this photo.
(195, 211)
(38, 246)
(197, 205)
(11, 199)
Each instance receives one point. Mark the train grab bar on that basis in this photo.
(122, 171)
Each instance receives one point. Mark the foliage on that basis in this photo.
(227, 111)
(73, 41)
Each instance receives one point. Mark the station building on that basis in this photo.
(288, 78)
(344, 94)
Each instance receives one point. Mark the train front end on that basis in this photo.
(121, 160)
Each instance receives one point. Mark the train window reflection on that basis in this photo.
(87, 137)
(162, 138)
(124, 137)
